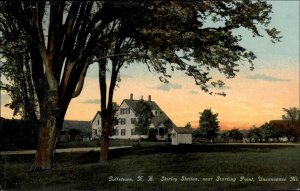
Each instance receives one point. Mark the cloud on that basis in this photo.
(266, 78)
(168, 87)
(225, 88)
(125, 76)
(220, 88)
(193, 92)
(91, 101)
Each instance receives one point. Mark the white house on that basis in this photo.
(96, 126)
(181, 135)
(160, 126)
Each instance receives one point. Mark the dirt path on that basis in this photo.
(66, 150)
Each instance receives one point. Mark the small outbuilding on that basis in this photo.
(181, 135)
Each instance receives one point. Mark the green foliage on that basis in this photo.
(254, 134)
(74, 133)
(188, 125)
(197, 133)
(208, 124)
(114, 115)
(225, 136)
(182, 27)
(17, 72)
(292, 114)
(165, 35)
(143, 114)
(273, 131)
(235, 134)
(267, 131)
(17, 134)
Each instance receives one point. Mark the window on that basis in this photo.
(117, 132)
(122, 121)
(133, 120)
(123, 132)
(161, 131)
(95, 131)
(98, 121)
(156, 112)
(132, 132)
(124, 111)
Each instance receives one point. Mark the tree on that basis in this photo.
(19, 87)
(143, 114)
(165, 35)
(168, 35)
(74, 133)
(267, 131)
(255, 134)
(209, 124)
(235, 135)
(59, 59)
(188, 125)
(225, 136)
(293, 115)
(197, 134)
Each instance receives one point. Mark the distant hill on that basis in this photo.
(83, 126)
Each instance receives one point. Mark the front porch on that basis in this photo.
(162, 134)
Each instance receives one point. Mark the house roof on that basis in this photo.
(182, 130)
(156, 120)
(162, 118)
(133, 104)
(98, 112)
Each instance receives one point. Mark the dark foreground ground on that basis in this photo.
(162, 167)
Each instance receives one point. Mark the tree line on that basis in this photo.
(273, 131)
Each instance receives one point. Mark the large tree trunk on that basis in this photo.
(52, 117)
(47, 143)
(107, 107)
(104, 153)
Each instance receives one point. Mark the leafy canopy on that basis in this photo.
(194, 37)
(208, 123)
(197, 37)
(143, 113)
(292, 114)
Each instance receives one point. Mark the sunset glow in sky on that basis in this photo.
(253, 97)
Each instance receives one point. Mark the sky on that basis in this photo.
(253, 97)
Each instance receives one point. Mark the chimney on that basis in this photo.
(131, 96)
(149, 97)
(142, 98)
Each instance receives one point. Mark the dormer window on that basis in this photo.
(125, 111)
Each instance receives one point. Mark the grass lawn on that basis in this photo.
(112, 142)
(205, 167)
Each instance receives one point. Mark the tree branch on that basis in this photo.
(102, 82)
(80, 81)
